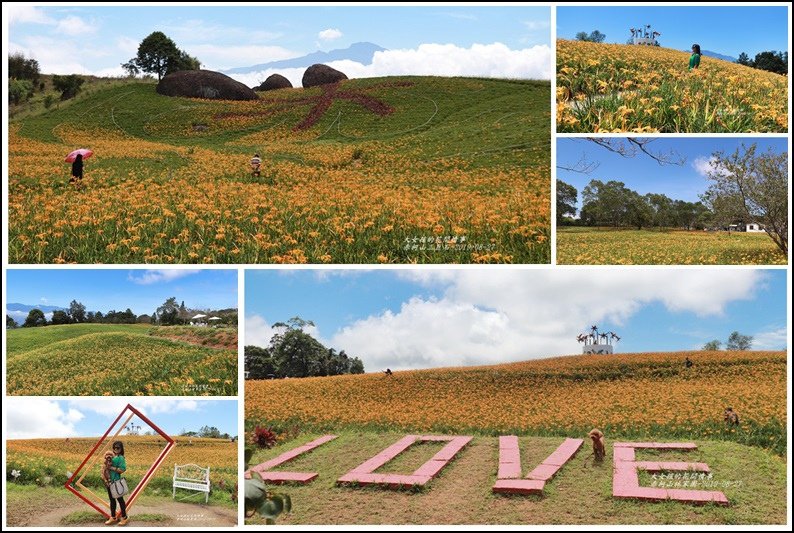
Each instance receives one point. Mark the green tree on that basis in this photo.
(258, 363)
(208, 432)
(566, 200)
(158, 54)
(19, 91)
(11, 323)
(35, 319)
(744, 59)
(737, 341)
(750, 187)
(77, 311)
(168, 313)
(772, 61)
(68, 85)
(593, 37)
(60, 317)
(712, 346)
(23, 69)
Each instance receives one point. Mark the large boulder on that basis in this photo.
(204, 84)
(273, 82)
(321, 75)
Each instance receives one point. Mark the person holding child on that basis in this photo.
(115, 465)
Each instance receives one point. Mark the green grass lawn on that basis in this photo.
(118, 360)
(753, 480)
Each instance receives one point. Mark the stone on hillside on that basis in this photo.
(204, 84)
(273, 82)
(321, 75)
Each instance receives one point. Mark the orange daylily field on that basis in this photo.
(643, 89)
(458, 171)
(649, 395)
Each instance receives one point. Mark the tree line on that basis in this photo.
(293, 353)
(736, 341)
(772, 61)
(744, 187)
(170, 313)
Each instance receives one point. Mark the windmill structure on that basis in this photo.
(645, 35)
(596, 342)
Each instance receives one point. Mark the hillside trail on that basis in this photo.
(181, 514)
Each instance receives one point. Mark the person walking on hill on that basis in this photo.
(694, 59)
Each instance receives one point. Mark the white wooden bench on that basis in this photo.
(192, 477)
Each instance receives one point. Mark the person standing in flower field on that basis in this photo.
(118, 465)
(77, 170)
(694, 59)
(256, 165)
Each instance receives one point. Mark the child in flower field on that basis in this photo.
(256, 164)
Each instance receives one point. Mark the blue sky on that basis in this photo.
(97, 39)
(430, 318)
(643, 174)
(46, 417)
(143, 291)
(728, 30)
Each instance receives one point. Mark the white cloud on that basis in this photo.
(75, 26)
(127, 45)
(30, 418)
(43, 299)
(198, 31)
(258, 331)
(771, 339)
(25, 13)
(149, 277)
(111, 407)
(514, 316)
(330, 34)
(487, 60)
(537, 25)
(704, 165)
(219, 57)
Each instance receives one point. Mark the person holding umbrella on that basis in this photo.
(76, 159)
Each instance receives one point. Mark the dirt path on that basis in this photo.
(181, 514)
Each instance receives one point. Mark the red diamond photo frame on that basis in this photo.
(100, 503)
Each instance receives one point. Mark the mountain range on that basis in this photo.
(25, 308)
(358, 52)
(709, 53)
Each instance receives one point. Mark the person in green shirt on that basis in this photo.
(118, 466)
(694, 60)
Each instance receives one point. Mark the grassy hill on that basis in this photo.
(753, 480)
(642, 396)
(614, 87)
(118, 360)
(399, 169)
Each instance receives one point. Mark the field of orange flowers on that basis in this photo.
(630, 395)
(51, 461)
(458, 172)
(609, 246)
(624, 88)
(83, 360)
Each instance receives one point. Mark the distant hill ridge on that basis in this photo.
(359, 52)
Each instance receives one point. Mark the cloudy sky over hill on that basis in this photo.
(443, 40)
(432, 318)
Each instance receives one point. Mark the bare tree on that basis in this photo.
(750, 187)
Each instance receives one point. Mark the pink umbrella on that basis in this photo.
(85, 152)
